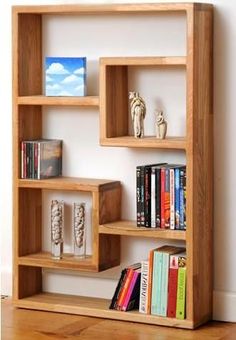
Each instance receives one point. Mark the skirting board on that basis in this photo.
(224, 303)
(224, 306)
(6, 281)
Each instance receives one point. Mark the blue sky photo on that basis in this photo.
(65, 76)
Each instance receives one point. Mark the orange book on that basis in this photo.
(149, 287)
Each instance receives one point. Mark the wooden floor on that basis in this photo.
(20, 324)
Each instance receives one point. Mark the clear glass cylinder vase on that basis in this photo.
(79, 230)
(57, 227)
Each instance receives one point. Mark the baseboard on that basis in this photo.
(224, 306)
(6, 281)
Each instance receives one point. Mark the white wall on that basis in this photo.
(93, 166)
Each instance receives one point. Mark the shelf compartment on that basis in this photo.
(146, 142)
(58, 101)
(69, 183)
(115, 75)
(129, 228)
(93, 307)
(68, 262)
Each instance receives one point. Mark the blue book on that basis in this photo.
(156, 283)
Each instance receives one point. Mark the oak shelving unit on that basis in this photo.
(107, 226)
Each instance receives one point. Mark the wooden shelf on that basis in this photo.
(128, 228)
(114, 8)
(144, 61)
(69, 183)
(146, 142)
(94, 307)
(68, 262)
(59, 101)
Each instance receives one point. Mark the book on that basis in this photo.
(132, 296)
(138, 195)
(118, 290)
(181, 287)
(166, 252)
(143, 303)
(172, 285)
(172, 198)
(160, 278)
(181, 199)
(125, 287)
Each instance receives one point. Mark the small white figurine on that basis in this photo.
(138, 113)
(161, 125)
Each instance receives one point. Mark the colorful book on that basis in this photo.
(172, 198)
(127, 302)
(150, 275)
(181, 288)
(181, 199)
(177, 199)
(166, 252)
(163, 198)
(135, 295)
(118, 289)
(172, 286)
(138, 195)
(127, 280)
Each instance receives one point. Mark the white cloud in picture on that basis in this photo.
(72, 79)
(56, 68)
(80, 71)
(64, 94)
(54, 87)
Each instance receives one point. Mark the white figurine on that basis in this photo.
(138, 113)
(161, 125)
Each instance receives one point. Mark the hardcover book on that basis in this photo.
(181, 287)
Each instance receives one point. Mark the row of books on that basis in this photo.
(161, 196)
(156, 286)
(41, 158)
(163, 282)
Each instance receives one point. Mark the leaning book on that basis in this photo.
(41, 158)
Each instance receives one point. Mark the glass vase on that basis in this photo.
(79, 230)
(57, 227)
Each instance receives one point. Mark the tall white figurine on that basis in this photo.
(161, 125)
(138, 113)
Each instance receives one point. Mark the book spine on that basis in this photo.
(130, 291)
(164, 284)
(181, 200)
(27, 160)
(158, 197)
(143, 304)
(185, 200)
(167, 199)
(138, 196)
(177, 200)
(147, 197)
(162, 198)
(156, 284)
(172, 199)
(150, 281)
(118, 290)
(172, 286)
(134, 299)
(142, 194)
(153, 197)
(35, 160)
(125, 289)
(181, 293)
(39, 157)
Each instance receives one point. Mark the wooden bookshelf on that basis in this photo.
(28, 100)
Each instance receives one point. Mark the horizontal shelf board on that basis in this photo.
(69, 183)
(59, 101)
(68, 262)
(146, 142)
(144, 61)
(93, 307)
(129, 228)
(116, 8)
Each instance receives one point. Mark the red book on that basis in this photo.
(172, 286)
(163, 198)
